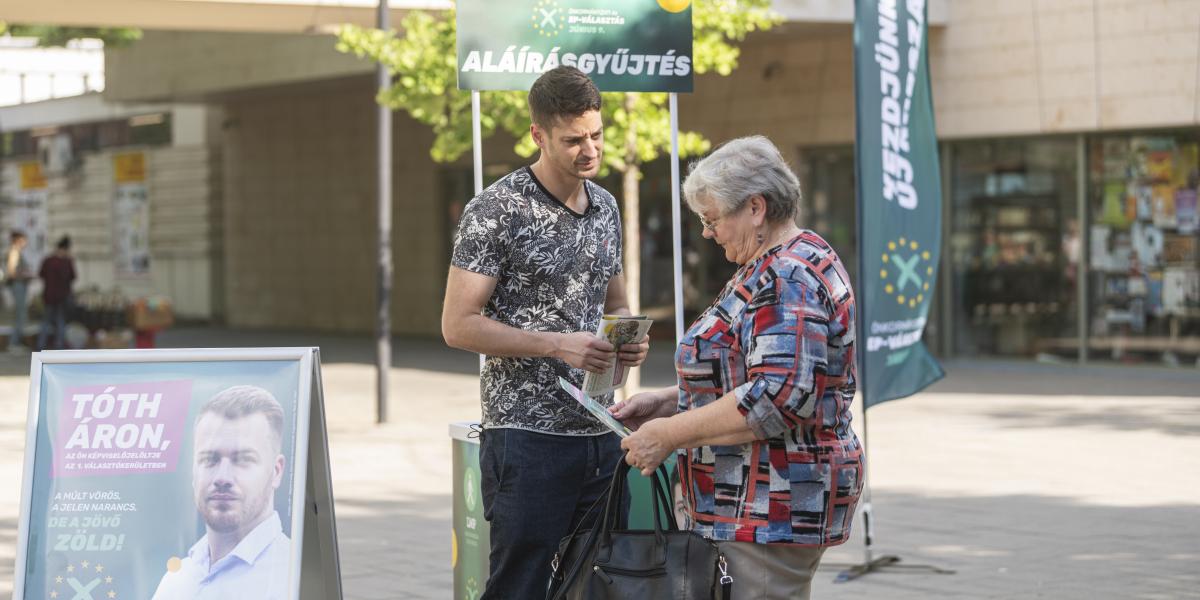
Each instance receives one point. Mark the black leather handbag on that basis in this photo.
(660, 564)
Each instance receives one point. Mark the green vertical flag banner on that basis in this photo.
(899, 197)
(623, 45)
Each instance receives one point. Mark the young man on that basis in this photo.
(537, 262)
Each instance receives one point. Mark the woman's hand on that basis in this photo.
(649, 446)
(637, 409)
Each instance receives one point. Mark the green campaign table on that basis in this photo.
(470, 544)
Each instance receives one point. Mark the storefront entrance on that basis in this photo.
(1058, 248)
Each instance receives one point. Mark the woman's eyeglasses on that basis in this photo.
(709, 225)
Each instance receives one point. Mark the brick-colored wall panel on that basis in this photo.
(301, 212)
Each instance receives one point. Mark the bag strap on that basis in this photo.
(603, 523)
(620, 476)
(664, 496)
(559, 592)
(583, 520)
(601, 533)
(726, 581)
(580, 524)
(566, 548)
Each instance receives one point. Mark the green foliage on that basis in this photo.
(717, 24)
(50, 35)
(423, 62)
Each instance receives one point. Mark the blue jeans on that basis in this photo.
(536, 489)
(56, 317)
(20, 294)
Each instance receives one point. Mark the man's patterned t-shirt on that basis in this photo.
(552, 267)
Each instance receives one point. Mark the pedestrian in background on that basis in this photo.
(57, 273)
(17, 274)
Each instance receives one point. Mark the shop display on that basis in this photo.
(1099, 247)
(1016, 245)
(1154, 294)
(1015, 280)
(1186, 217)
(1163, 205)
(1147, 243)
(1179, 250)
(1114, 205)
(150, 314)
(99, 310)
(109, 319)
(1181, 290)
(1145, 275)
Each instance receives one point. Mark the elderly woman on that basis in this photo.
(771, 469)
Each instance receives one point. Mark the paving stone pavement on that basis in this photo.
(1028, 480)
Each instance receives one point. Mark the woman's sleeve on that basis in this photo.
(784, 333)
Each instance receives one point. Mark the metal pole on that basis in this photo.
(676, 220)
(867, 512)
(861, 350)
(860, 196)
(477, 141)
(1082, 234)
(477, 145)
(383, 341)
(946, 281)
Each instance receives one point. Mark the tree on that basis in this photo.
(51, 35)
(636, 125)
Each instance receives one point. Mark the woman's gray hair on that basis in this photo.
(739, 169)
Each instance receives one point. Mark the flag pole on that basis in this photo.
(870, 562)
(383, 319)
(676, 219)
(477, 164)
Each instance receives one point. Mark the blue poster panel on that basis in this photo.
(165, 475)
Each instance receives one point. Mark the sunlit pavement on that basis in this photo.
(1027, 480)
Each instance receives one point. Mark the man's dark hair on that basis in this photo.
(561, 92)
(16, 235)
(64, 243)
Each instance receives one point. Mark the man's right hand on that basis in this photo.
(585, 351)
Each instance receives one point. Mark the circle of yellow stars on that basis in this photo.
(547, 18)
(84, 569)
(906, 271)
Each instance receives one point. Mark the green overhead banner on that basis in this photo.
(623, 45)
(899, 197)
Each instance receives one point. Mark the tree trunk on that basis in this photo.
(632, 233)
